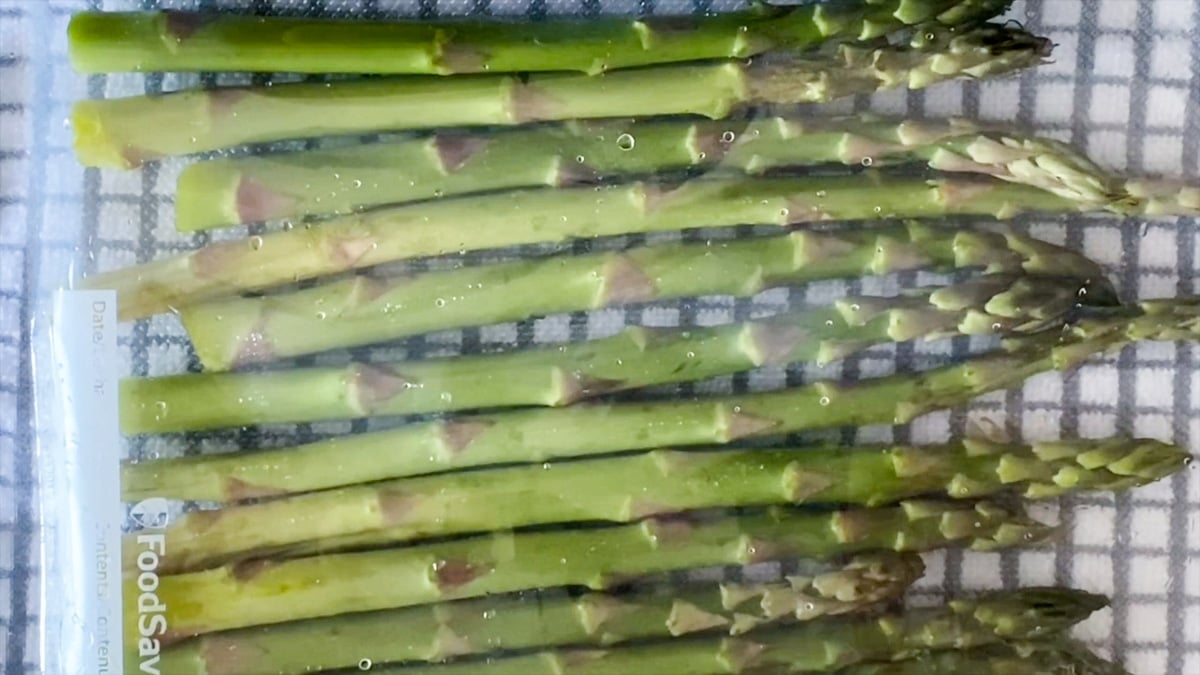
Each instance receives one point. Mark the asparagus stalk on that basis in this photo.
(537, 435)
(365, 310)
(267, 592)
(1059, 657)
(126, 132)
(185, 41)
(815, 647)
(554, 215)
(232, 190)
(437, 632)
(632, 487)
(564, 374)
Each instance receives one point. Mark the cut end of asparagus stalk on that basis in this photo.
(93, 145)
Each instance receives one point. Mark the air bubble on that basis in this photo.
(579, 159)
(365, 664)
(626, 141)
(728, 137)
(256, 243)
(867, 161)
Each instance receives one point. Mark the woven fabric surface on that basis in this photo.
(1124, 86)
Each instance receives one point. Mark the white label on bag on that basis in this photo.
(85, 344)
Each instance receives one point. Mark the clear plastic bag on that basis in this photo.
(1121, 87)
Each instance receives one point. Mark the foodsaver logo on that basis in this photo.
(150, 517)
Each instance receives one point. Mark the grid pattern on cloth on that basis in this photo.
(1125, 86)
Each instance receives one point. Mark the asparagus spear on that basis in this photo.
(816, 647)
(549, 618)
(185, 41)
(554, 215)
(537, 435)
(251, 188)
(631, 487)
(1059, 657)
(564, 374)
(126, 132)
(266, 592)
(365, 310)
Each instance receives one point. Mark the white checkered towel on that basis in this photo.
(1125, 86)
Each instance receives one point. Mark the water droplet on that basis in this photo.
(321, 315)
(160, 409)
(728, 137)
(357, 183)
(878, 209)
(691, 355)
(364, 664)
(626, 141)
(824, 400)
(256, 243)
(439, 302)
(784, 212)
(867, 161)
(701, 155)
(579, 159)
